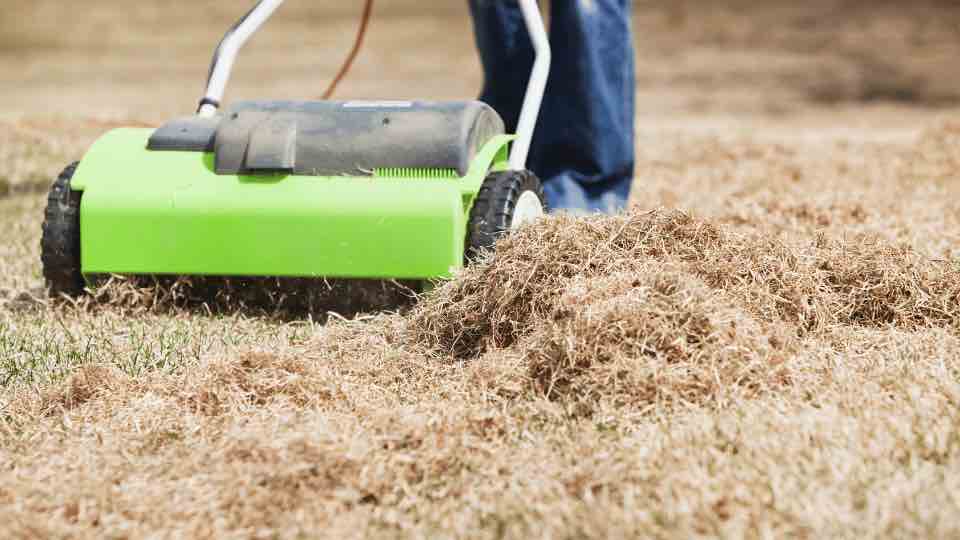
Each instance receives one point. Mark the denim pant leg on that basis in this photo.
(507, 55)
(584, 144)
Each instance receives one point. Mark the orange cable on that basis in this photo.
(357, 45)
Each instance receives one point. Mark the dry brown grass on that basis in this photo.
(644, 374)
(766, 346)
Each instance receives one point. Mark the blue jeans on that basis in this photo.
(583, 148)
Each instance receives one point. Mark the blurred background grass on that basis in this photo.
(148, 58)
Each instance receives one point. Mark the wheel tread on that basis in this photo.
(494, 206)
(60, 242)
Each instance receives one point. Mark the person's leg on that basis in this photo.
(507, 56)
(584, 145)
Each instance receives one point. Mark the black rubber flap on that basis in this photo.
(272, 146)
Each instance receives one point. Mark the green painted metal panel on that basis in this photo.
(146, 212)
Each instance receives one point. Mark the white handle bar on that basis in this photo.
(234, 40)
(535, 88)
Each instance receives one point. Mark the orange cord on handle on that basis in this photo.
(357, 45)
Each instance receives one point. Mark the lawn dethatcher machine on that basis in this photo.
(379, 190)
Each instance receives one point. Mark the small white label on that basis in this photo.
(378, 105)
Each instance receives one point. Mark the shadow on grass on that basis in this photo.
(284, 299)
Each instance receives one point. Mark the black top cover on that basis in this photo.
(336, 138)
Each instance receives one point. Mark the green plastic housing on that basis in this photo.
(150, 212)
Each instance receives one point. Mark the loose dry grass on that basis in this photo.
(652, 374)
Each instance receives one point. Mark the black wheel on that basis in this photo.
(60, 244)
(506, 200)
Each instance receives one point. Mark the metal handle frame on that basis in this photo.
(235, 38)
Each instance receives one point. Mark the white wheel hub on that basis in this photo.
(529, 208)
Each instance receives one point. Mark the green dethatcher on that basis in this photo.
(148, 212)
(382, 189)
